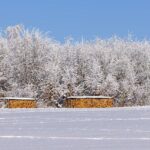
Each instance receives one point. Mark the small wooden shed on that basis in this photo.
(14, 102)
(88, 102)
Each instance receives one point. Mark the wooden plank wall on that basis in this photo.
(21, 104)
(88, 103)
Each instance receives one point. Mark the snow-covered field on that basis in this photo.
(75, 129)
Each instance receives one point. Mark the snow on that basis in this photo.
(16, 98)
(75, 129)
(76, 97)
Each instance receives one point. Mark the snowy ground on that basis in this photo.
(75, 129)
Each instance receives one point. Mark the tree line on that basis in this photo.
(32, 64)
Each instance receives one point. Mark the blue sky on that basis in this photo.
(79, 18)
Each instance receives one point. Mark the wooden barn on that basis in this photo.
(14, 102)
(88, 102)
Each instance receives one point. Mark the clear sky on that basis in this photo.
(79, 18)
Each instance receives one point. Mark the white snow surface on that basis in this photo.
(16, 98)
(100, 97)
(75, 129)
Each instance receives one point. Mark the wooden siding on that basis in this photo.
(88, 103)
(21, 104)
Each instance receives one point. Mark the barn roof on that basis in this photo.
(89, 97)
(16, 98)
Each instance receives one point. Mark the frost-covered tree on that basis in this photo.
(34, 65)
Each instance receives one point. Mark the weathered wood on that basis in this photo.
(21, 104)
(14, 102)
(89, 103)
